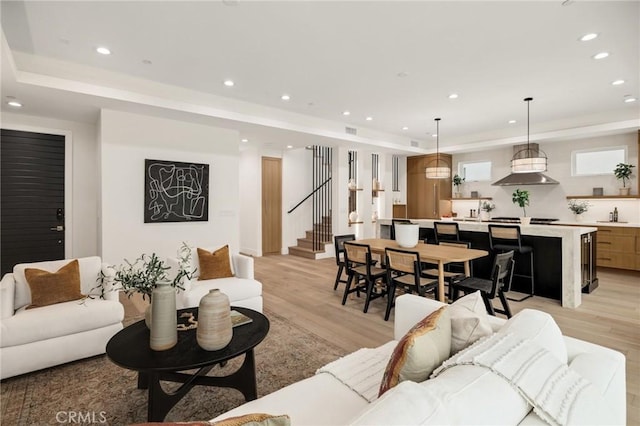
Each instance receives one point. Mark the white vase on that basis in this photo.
(353, 216)
(214, 330)
(578, 217)
(407, 234)
(484, 215)
(352, 184)
(624, 191)
(164, 333)
(525, 220)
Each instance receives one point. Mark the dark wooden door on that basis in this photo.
(31, 197)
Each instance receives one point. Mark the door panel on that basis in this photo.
(271, 205)
(31, 197)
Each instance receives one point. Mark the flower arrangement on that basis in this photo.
(486, 206)
(143, 275)
(578, 207)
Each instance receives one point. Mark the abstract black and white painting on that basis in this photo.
(175, 191)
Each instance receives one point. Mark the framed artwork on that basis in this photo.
(175, 191)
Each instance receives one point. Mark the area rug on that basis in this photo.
(95, 390)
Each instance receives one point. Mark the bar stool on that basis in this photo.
(503, 238)
(446, 231)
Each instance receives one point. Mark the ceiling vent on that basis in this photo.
(415, 144)
(351, 130)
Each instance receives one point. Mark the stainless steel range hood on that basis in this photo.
(525, 178)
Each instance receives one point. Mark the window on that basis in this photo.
(475, 171)
(597, 161)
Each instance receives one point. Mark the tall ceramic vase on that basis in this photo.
(164, 333)
(214, 321)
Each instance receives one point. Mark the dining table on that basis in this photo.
(431, 253)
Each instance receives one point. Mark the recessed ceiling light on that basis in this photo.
(289, 146)
(601, 55)
(453, 96)
(617, 82)
(405, 128)
(103, 51)
(285, 97)
(369, 118)
(244, 140)
(512, 121)
(402, 74)
(229, 83)
(14, 104)
(147, 62)
(629, 99)
(589, 37)
(346, 113)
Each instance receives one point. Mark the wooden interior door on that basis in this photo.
(31, 198)
(271, 205)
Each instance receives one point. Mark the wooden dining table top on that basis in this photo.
(432, 252)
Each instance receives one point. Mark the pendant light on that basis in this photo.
(438, 168)
(529, 160)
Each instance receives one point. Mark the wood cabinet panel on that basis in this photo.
(399, 211)
(618, 247)
(424, 195)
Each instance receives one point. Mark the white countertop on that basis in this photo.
(537, 230)
(603, 223)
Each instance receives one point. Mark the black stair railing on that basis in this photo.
(320, 196)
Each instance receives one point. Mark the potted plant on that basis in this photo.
(521, 198)
(578, 207)
(147, 271)
(623, 172)
(457, 181)
(485, 210)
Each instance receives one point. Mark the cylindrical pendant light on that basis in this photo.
(529, 160)
(438, 168)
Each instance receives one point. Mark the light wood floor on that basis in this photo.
(302, 290)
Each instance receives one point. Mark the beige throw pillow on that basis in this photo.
(255, 419)
(469, 321)
(48, 288)
(420, 351)
(214, 265)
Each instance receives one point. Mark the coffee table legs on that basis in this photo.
(161, 402)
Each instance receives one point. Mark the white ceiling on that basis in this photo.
(397, 62)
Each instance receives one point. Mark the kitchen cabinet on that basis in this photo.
(618, 247)
(399, 211)
(424, 195)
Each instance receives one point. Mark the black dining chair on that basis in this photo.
(403, 273)
(338, 244)
(452, 271)
(498, 285)
(368, 278)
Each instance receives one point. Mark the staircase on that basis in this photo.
(305, 248)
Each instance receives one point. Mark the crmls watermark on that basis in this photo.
(81, 417)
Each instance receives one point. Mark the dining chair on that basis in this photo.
(446, 231)
(403, 273)
(498, 285)
(357, 259)
(452, 271)
(338, 244)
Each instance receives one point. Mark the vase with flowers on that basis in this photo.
(149, 276)
(578, 208)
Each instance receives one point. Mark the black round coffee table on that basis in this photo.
(130, 349)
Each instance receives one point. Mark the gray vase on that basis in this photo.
(164, 333)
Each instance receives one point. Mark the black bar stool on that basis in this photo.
(503, 238)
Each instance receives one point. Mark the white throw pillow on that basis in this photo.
(541, 328)
(469, 321)
(408, 403)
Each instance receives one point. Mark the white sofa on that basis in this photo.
(465, 397)
(32, 339)
(242, 289)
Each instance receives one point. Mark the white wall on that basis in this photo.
(126, 141)
(250, 201)
(296, 184)
(550, 200)
(84, 176)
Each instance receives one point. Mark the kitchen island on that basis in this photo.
(558, 256)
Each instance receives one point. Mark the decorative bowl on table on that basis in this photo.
(407, 234)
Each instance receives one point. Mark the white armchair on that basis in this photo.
(242, 289)
(42, 337)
